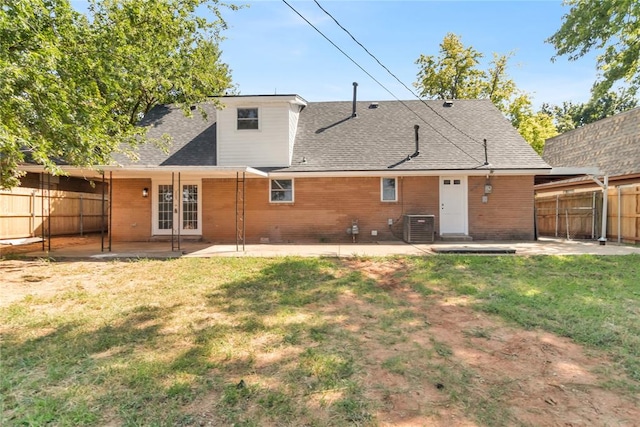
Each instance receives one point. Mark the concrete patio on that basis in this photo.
(91, 248)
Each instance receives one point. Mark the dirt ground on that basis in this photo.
(57, 242)
(546, 380)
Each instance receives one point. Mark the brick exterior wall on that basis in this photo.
(508, 213)
(322, 211)
(131, 221)
(325, 207)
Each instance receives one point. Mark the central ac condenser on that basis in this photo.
(419, 228)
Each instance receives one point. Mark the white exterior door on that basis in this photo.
(453, 205)
(177, 210)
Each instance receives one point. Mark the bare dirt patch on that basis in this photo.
(427, 368)
(536, 377)
(57, 242)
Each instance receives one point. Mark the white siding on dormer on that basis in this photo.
(267, 146)
(294, 114)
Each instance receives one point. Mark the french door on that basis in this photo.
(177, 208)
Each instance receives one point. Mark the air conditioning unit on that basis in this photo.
(419, 228)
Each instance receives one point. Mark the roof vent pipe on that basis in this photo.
(486, 158)
(415, 128)
(355, 91)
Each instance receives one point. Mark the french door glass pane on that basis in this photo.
(165, 207)
(189, 207)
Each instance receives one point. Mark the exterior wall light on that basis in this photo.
(145, 192)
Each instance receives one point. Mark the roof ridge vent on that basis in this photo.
(448, 103)
(373, 105)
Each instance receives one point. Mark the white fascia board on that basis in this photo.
(191, 170)
(150, 170)
(262, 100)
(68, 170)
(393, 173)
(575, 171)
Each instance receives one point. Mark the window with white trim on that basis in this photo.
(281, 191)
(248, 118)
(388, 189)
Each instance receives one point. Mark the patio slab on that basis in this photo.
(90, 248)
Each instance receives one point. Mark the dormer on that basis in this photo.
(258, 131)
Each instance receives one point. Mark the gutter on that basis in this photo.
(146, 169)
(393, 173)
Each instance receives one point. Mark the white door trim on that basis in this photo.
(177, 205)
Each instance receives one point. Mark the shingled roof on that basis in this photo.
(611, 144)
(193, 138)
(381, 137)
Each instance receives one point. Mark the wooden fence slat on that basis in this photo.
(554, 213)
(21, 212)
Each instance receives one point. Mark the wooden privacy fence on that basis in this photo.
(572, 216)
(25, 211)
(579, 215)
(624, 213)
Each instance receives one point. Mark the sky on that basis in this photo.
(271, 50)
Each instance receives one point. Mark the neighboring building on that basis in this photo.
(277, 168)
(612, 146)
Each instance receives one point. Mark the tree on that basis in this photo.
(570, 116)
(610, 26)
(454, 74)
(534, 127)
(72, 87)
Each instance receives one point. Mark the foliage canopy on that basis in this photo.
(455, 74)
(74, 86)
(609, 26)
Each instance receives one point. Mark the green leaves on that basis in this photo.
(72, 88)
(570, 116)
(455, 75)
(611, 27)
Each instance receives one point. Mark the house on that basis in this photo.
(276, 168)
(612, 146)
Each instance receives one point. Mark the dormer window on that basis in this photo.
(247, 118)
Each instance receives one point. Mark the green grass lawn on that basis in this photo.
(254, 341)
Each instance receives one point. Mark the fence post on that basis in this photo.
(557, 212)
(593, 215)
(619, 215)
(81, 217)
(605, 210)
(32, 212)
